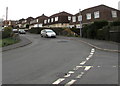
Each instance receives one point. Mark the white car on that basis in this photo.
(48, 33)
(22, 31)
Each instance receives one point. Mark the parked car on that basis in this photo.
(22, 31)
(15, 30)
(48, 33)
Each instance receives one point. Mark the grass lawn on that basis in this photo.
(7, 41)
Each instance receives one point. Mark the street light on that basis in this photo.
(80, 16)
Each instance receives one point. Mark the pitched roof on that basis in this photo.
(95, 7)
(63, 13)
(42, 16)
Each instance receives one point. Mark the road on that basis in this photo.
(58, 61)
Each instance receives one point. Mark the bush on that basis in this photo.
(115, 23)
(75, 30)
(7, 32)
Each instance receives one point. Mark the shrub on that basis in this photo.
(76, 30)
(7, 32)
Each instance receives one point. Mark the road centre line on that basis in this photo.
(58, 81)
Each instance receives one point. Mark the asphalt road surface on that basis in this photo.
(58, 61)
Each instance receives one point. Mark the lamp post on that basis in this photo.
(80, 16)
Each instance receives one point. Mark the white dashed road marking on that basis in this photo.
(80, 75)
(68, 75)
(58, 81)
(77, 67)
(87, 58)
(90, 56)
(83, 62)
(98, 66)
(86, 68)
(71, 72)
(70, 82)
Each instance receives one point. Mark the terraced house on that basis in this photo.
(64, 19)
(38, 21)
(101, 12)
(61, 19)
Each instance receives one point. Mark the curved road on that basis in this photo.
(58, 61)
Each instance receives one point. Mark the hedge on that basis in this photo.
(37, 30)
(115, 23)
(115, 33)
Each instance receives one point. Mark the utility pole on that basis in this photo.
(6, 16)
(80, 16)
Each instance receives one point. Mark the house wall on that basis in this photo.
(58, 25)
(105, 13)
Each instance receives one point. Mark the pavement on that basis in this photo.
(24, 41)
(98, 44)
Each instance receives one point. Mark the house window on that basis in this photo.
(37, 20)
(80, 18)
(56, 18)
(51, 19)
(48, 20)
(74, 19)
(114, 14)
(69, 18)
(88, 16)
(45, 21)
(97, 14)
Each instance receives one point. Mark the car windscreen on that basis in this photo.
(49, 31)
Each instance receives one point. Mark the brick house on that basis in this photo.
(11, 23)
(38, 21)
(21, 22)
(100, 12)
(61, 19)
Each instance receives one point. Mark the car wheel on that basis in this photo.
(46, 36)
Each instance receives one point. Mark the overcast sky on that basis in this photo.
(18, 9)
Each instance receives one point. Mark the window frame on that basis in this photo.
(88, 16)
(74, 19)
(114, 14)
(97, 14)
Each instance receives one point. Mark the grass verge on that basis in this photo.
(8, 41)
